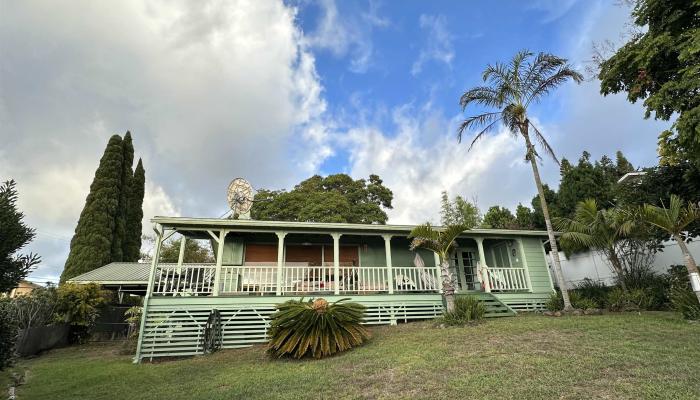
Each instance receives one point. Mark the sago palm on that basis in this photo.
(441, 242)
(317, 328)
(674, 220)
(597, 229)
(509, 91)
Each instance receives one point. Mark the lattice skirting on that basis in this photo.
(177, 330)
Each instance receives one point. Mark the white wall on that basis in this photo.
(594, 265)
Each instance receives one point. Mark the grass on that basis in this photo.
(616, 356)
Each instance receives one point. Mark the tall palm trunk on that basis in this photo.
(689, 264)
(448, 285)
(545, 211)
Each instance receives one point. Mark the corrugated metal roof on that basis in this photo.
(117, 272)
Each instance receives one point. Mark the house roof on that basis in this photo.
(117, 273)
(317, 227)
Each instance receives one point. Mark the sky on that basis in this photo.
(278, 91)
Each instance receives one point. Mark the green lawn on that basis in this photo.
(654, 355)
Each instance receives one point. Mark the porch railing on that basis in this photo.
(185, 280)
(198, 280)
(507, 279)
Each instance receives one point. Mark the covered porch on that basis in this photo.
(300, 261)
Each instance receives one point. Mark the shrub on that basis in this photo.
(586, 304)
(685, 302)
(594, 291)
(8, 334)
(467, 309)
(682, 297)
(301, 328)
(34, 309)
(79, 306)
(632, 300)
(654, 288)
(556, 302)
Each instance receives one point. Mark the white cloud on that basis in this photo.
(210, 91)
(438, 45)
(422, 158)
(347, 35)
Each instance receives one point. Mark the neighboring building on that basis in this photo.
(260, 264)
(24, 287)
(593, 265)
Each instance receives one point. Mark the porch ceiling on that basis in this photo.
(194, 225)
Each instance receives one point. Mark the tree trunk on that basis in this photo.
(690, 265)
(617, 267)
(448, 286)
(545, 211)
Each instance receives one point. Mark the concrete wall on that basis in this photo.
(594, 265)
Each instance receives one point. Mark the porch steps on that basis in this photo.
(494, 306)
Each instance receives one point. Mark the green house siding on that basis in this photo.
(537, 266)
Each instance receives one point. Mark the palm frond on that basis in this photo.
(449, 234)
(488, 119)
(547, 84)
(484, 95)
(542, 141)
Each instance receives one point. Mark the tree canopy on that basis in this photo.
(195, 252)
(659, 65)
(14, 235)
(335, 198)
(459, 212)
(107, 227)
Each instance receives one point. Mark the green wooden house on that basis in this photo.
(259, 264)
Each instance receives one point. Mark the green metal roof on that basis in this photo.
(125, 273)
(317, 227)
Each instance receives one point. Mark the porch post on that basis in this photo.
(181, 257)
(336, 261)
(280, 261)
(439, 272)
(521, 249)
(219, 261)
(389, 266)
(149, 291)
(482, 261)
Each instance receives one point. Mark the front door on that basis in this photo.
(464, 264)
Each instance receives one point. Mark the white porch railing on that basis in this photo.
(363, 279)
(185, 280)
(198, 280)
(248, 279)
(507, 279)
(411, 279)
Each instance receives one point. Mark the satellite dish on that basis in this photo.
(240, 198)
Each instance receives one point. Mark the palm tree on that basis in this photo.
(510, 89)
(597, 229)
(440, 242)
(673, 220)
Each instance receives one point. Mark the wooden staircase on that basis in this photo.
(494, 306)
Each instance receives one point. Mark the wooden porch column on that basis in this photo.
(149, 291)
(439, 272)
(482, 261)
(219, 261)
(280, 261)
(336, 261)
(521, 249)
(389, 266)
(181, 256)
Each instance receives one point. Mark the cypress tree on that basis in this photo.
(120, 219)
(91, 246)
(132, 244)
